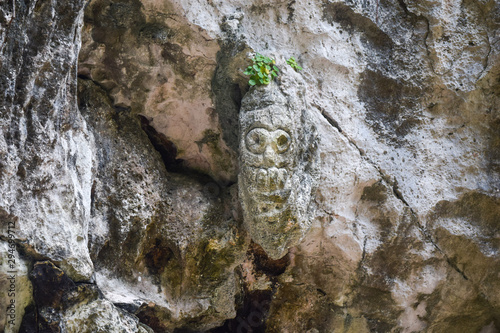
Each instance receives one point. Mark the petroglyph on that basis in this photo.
(278, 158)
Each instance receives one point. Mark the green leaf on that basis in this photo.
(256, 68)
(252, 82)
(260, 74)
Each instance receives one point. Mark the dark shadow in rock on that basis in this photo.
(155, 317)
(254, 309)
(227, 92)
(49, 284)
(168, 153)
(164, 146)
(158, 257)
(53, 293)
(28, 325)
(265, 264)
(251, 317)
(129, 307)
(493, 148)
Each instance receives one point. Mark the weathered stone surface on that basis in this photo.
(45, 149)
(164, 245)
(63, 306)
(165, 75)
(278, 162)
(101, 316)
(138, 183)
(408, 108)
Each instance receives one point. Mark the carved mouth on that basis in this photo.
(274, 198)
(269, 193)
(267, 205)
(271, 179)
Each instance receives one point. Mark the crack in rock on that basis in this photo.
(396, 192)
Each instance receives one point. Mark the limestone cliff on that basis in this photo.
(129, 201)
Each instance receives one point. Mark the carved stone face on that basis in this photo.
(269, 161)
(274, 192)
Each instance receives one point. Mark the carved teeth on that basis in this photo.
(271, 179)
(277, 178)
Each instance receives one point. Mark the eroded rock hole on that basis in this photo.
(158, 257)
(251, 317)
(168, 152)
(265, 264)
(254, 309)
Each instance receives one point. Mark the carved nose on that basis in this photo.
(270, 157)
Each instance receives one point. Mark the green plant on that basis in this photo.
(262, 71)
(293, 63)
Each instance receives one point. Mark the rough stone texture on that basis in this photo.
(134, 188)
(149, 58)
(63, 306)
(102, 316)
(45, 148)
(278, 166)
(164, 245)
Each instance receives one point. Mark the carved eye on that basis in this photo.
(256, 140)
(282, 141)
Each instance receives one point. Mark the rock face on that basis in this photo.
(63, 305)
(47, 152)
(135, 165)
(278, 167)
(163, 245)
(165, 76)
